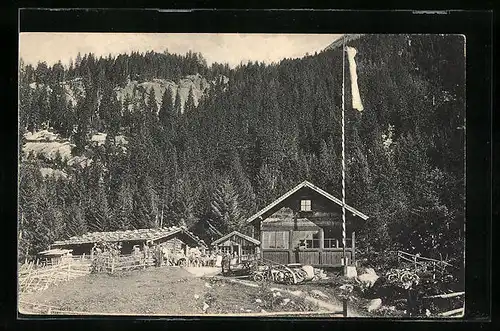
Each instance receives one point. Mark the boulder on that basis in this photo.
(374, 304)
(310, 272)
(351, 272)
(368, 278)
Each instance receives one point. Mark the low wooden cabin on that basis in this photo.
(304, 226)
(54, 256)
(176, 239)
(237, 243)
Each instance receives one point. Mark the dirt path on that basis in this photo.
(329, 302)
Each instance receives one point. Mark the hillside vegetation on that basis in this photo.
(244, 136)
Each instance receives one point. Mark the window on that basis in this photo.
(225, 249)
(305, 205)
(275, 239)
(247, 250)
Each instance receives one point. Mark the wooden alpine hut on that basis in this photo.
(236, 242)
(304, 226)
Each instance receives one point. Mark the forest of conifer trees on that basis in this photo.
(251, 138)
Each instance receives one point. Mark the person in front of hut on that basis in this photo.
(145, 250)
(93, 251)
(158, 254)
(218, 258)
(226, 262)
(164, 251)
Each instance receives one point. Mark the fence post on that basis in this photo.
(112, 264)
(344, 307)
(415, 261)
(353, 248)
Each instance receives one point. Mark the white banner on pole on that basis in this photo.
(356, 98)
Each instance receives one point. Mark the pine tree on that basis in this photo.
(123, 209)
(178, 103)
(165, 113)
(190, 105)
(226, 206)
(76, 224)
(97, 212)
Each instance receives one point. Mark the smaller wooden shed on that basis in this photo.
(236, 242)
(54, 256)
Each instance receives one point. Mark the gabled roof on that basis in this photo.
(295, 189)
(128, 235)
(227, 236)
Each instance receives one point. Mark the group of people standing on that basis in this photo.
(161, 255)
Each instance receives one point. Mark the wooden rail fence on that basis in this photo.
(418, 260)
(440, 265)
(33, 277)
(457, 312)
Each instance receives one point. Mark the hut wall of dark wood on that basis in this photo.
(285, 229)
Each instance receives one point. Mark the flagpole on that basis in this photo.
(343, 159)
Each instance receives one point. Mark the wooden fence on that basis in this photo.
(440, 265)
(126, 262)
(33, 277)
(457, 312)
(418, 260)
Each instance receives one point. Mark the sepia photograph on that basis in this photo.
(241, 174)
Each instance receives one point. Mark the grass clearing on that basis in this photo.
(163, 291)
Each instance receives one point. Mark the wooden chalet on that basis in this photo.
(304, 226)
(177, 239)
(236, 242)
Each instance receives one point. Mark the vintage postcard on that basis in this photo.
(241, 174)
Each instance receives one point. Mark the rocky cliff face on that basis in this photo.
(134, 90)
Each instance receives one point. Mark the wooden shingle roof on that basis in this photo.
(295, 189)
(128, 235)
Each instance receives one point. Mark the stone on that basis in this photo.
(208, 285)
(374, 305)
(258, 300)
(346, 288)
(285, 301)
(351, 272)
(196, 296)
(319, 294)
(310, 272)
(205, 306)
(368, 278)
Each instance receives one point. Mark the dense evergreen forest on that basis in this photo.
(251, 138)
